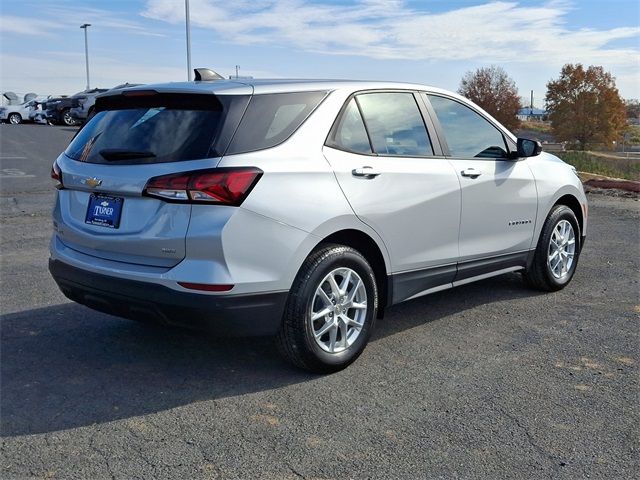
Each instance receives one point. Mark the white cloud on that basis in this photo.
(98, 18)
(11, 24)
(64, 73)
(497, 31)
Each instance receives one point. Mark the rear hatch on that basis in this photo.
(135, 136)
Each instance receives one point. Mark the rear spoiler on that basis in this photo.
(128, 99)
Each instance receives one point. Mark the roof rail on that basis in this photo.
(204, 74)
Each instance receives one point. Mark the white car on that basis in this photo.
(15, 114)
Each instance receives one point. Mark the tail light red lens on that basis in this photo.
(221, 186)
(56, 174)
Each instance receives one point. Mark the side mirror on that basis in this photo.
(528, 148)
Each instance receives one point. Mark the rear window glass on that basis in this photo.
(350, 134)
(272, 118)
(155, 128)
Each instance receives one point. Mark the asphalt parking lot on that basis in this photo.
(490, 380)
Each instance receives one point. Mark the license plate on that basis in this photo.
(104, 210)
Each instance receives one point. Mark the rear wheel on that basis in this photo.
(331, 310)
(15, 118)
(557, 252)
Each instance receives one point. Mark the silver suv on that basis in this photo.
(302, 209)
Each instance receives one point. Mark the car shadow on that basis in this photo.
(66, 366)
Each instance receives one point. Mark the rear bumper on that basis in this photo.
(248, 315)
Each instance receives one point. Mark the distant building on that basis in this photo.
(534, 114)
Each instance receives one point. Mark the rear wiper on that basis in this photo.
(113, 154)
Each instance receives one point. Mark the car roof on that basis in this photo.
(280, 85)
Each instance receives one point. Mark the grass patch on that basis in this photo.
(610, 166)
(541, 127)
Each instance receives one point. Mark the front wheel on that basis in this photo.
(67, 119)
(15, 118)
(331, 310)
(557, 252)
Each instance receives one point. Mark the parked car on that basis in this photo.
(16, 112)
(84, 109)
(58, 110)
(302, 209)
(37, 113)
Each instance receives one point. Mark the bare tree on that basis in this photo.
(493, 90)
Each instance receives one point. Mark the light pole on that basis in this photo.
(188, 27)
(86, 50)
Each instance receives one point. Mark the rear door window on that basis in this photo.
(272, 118)
(156, 128)
(395, 124)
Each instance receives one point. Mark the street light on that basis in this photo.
(188, 27)
(86, 50)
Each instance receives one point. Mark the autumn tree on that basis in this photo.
(493, 90)
(585, 107)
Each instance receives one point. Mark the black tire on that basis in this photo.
(67, 119)
(539, 276)
(14, 118)
(296, 341)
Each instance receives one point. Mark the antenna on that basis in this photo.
(206, 74)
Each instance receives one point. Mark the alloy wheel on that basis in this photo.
(338, 310)
(68, 119)
(562, 248)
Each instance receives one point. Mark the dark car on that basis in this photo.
(58, 110)
(85, 102)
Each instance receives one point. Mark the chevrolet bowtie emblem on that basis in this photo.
(92, 182)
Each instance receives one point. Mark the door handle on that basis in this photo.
(367, 172)
(471, 172)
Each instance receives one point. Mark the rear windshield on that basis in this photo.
(272, 118)
(157, 128)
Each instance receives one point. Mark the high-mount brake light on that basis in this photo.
(56, 174)
(219, 186)
(139, 93)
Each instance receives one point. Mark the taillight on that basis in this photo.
(56, 174)
(222, 186)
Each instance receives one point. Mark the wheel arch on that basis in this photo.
(368, 247)
(574, 204)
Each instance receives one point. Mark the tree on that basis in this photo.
(633, 108)
(493, 90)
(585, 106)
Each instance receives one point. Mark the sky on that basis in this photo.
(433, 42)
